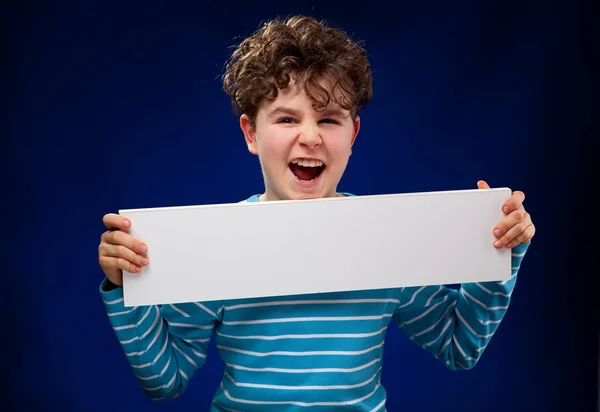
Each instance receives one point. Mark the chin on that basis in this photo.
(313, 193)
(306, 196)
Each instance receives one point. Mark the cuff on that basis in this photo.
(112, 296)
(521, 248)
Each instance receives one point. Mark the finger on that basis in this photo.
(511, 226)
(518, 228)
(108, 262)
(121, 238)
(113, 221)
(514, 202)
(524, 237)
(120, 251)
(482, 185)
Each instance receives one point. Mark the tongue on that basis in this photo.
(304, 173)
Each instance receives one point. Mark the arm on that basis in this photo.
(457, 325)
(164, 346)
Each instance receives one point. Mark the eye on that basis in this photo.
(329, 121)
(286, 120)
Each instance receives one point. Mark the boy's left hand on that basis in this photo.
(516, 227)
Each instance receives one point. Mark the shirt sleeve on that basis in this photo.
(456, 325)
(164, 345)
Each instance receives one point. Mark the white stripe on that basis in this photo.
(190, 360)
(179, 310)
(462, 351)
(440, 335)
(315, 370)
(162, 372)
(188, 325)
(307, 319)
(464, 292)
(460, 364)
(458, 346)
(489, 322)
(149, 346)
(307, 336)
(286, 353)
(517, 254)
(507, 295)
(504, 282)
(412, 299)
(429, 329)
(125, 342)
(422, 315)
(165, 386)
(198, 354)
(432, 296)
(375, 409)
(470, 328)
(302, 388)
(155, 359)
(444, 347)
(136, 324)
(310, 302)
(352, 402)
(156, 319)
(182, 373)
(197, 340)
(207, 310)
(112, 302)
(121, 313)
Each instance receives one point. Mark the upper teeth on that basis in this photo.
(308, 163)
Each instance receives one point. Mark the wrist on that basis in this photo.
(108, 286)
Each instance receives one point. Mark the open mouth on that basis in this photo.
(307, 170)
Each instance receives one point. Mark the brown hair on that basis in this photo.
(306, 50)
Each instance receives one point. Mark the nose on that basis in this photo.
(309, 136)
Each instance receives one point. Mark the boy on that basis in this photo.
(299, 87)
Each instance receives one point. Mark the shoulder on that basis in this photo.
(251, 199)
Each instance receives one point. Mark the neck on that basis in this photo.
(266, 198)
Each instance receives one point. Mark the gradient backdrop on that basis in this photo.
(111, 105)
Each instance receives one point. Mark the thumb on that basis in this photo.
(482, 185)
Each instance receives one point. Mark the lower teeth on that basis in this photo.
(311, 180)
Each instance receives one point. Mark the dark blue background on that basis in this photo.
(110, 105)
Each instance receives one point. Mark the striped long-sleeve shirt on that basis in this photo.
(319, 352)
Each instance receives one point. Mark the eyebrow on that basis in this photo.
(278, 111)
(282, 110)
(335, 113)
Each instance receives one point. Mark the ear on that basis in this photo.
(356, 129)
(249, 133)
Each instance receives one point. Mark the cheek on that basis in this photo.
(275, 146)
(339, 146)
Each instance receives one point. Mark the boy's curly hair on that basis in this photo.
(306, 50)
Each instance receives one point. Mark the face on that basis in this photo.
(303, 152)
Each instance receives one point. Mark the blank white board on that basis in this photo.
(259, 249)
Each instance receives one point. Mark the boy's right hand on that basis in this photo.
(119, 250)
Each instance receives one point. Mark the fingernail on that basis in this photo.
(126, 223)
(136, 269)
(143, 249)
(509, 245)
(498, 243)
(145, 261)
(505, 209)
(498, 232)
